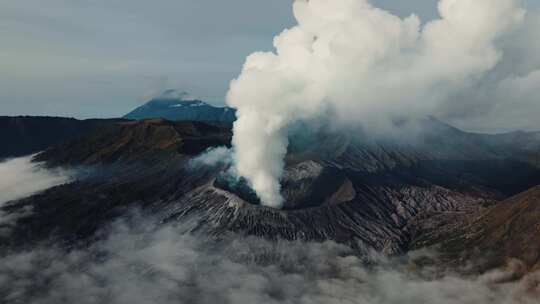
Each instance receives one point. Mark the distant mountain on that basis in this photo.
(25, 135)
(175, 106)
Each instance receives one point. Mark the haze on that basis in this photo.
(103, 58)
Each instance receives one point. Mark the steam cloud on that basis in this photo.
(19, 177)
(352, 63)
(140, 262)
(213, 157)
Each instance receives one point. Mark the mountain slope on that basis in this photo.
(25, 135)
(172, 107)
(146, 141)
(508, 230)
(364, 192)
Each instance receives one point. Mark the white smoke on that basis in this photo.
(355, 63)
(20, 177)
(213, 157)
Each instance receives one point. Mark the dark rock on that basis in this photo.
(26, 135)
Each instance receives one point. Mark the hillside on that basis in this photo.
(146, 141)
(361, 191)
(508, 230)
(25, 135)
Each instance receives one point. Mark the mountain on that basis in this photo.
(174, 106)
(508, 230)
(362, 191)
(25, 135)
(147, 141)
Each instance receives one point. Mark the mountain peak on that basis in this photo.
(175, 105)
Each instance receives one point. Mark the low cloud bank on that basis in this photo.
(20, 177)
(141, 263)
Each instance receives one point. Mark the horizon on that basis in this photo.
(102, 59)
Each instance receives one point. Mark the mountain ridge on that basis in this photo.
(365, 193)
(24, 135)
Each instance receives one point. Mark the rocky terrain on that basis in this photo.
(509, 230)
(371, 194)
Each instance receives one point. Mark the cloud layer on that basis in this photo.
(139, 262)
(20, 177)
(353, 63)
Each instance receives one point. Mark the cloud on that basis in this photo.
(355, 64)
(20, 177)
(213, 157)
(514, 105)
(97, 59)
(139, 262)
(504, 99)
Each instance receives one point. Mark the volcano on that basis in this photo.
(173, 105)
(367, 193)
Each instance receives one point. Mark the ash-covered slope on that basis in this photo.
(362, 191)
(508, 230)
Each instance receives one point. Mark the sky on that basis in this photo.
(102, 58)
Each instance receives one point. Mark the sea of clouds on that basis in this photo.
(142, 262)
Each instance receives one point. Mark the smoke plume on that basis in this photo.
(353, 63)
